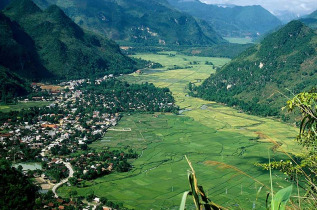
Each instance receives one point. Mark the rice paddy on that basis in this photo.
(222, 143)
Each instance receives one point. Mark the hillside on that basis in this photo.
(51, 46)
(17, 51)
(311, 20)
(259, 80)
(138, 21)
(231, 21)
(11, 86)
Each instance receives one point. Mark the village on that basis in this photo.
(66, 125)
(57, 135)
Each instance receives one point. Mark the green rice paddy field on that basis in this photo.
(222, 144)
(23, 105)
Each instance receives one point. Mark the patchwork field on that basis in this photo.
(222, 143)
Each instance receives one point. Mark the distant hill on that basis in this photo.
(48, 45)
(285, 16)
(231, 21)
(259, 80)
(311, 20)
(147, 22)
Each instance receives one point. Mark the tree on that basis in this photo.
(17, 191)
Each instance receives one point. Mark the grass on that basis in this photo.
(222, 144)
(238, 40)
(23, 105)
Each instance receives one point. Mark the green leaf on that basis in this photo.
(281, 198)
(183, 203)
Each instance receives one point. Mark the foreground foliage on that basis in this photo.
(302, 170)
(17, 191)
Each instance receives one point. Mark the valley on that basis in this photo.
(210, 134)
(122, 104)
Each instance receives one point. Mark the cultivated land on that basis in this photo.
(23, 105)
(216, 139)
(238, 40)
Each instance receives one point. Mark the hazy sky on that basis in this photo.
(297, 6)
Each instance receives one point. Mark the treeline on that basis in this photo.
(225, 50)
(112, 96)
(17, 191)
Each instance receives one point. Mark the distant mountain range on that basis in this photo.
(259, 80)
(230, 20)
(285, 16)
(48, 45)
(149, 22)
(311, 20)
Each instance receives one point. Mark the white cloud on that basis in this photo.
(296, 6)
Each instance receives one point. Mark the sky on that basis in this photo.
(299, 7)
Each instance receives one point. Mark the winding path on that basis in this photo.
(71, 174)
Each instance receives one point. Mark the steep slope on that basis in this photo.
(17, 51)
(259, 79)
(152, 22)
(11, 85)
(311, 20)
(63, 49)
(231, 21)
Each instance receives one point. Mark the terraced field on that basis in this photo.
(222, 143)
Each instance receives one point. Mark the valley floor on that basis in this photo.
(222, 143)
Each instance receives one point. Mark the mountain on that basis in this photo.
(311, 20)
(48, 45)
(18, 51)
(229, 20)
(4, 3)
(147, 22)
(11, 86)
(259, 80)
(18, 60)
(285, 16)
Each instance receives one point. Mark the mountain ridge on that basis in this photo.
(259, 79)
(233, 21)
(138, 21)
(65, 50)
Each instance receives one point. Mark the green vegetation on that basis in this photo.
(138, 21)
(311, 20)
(226, 50)
(12, 86)
(231, 21)
(259, 80)
(22, 105)
(301, 169)
(237, 40)
(17, 191)
(113, 96)
(222, 143)
(49, 45)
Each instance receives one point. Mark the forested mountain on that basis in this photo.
(231, 21)
(152, 22)
(311, 20)
(11, 86)
(47, 44)
(259, 80)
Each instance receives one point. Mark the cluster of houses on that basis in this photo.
(61, 124)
